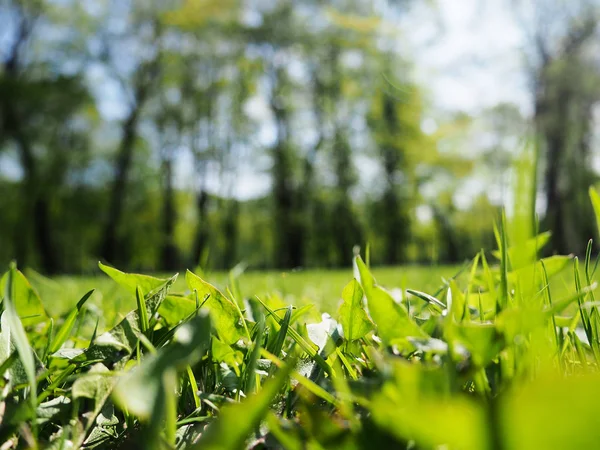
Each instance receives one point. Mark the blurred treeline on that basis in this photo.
(135, 131)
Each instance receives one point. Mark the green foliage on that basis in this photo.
(353, 317)
(13, 337)
(63, 333)
(226, 315)
(498, 352)
(237, 422)
(391, 318)
(141, 392)
(26, 300)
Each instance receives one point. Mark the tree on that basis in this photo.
(214, 123)
(564, 80)
(145, 31)
(169, 126)
(38, 105)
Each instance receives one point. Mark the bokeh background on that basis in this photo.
(157, 135)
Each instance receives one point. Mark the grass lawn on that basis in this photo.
(407, 365)
(320, 287)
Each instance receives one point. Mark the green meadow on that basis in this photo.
(484, 355)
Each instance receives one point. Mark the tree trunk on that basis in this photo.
(395, 220)
(449, 247)
(34, 202)
(169, 253)
(288, 245)
(289, 240)
(110, 242)
(346, 228)
(230, 232)
(552, 123)
(202, 233)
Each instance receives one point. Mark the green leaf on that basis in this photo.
(140, 390)
(12, 328)
(222, 352)
(237, 422)
(25, 298)
(116, 345)
(177, 307)
(226, 317)
(353, 317)
(95, 384)
(391, 318)
(59, 406)
(130, 281)
(16, 371)
(595, 198)
(13, 334)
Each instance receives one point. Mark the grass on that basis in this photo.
(319, 287)
(504, 356)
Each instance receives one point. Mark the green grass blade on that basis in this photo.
(595, 198)
(193, 386)
(250, 378)
(431, 300)
(65, 330)
(503, 299)
(139, 391)
(237, 422)
(49, 333)
(588, 272)
(142, 311)
(580, 351)
(310, 385)
(12, 324)
(548, 298)
(311, 349)
(277, 345)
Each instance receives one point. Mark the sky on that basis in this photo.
(474, 59)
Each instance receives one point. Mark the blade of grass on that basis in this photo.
(193, 386)
(65, 330)
(503, 299)
(548, 298)
(250, 378)
(311, 386)
(432, 301)
(281, 335)
(143, 312)
(470, 283)
(236, 422)
(308, 348)
(19, 338)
